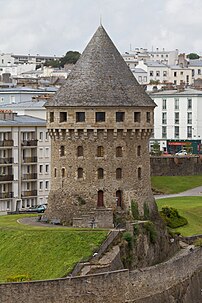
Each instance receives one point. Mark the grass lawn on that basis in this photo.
(188, 207)
(175, 184)
(41, 252)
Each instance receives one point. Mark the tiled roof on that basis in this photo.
(101, 78)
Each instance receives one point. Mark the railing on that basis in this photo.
(29, 159)
(29, 143)
(29, 193)
(6, 195)
(6, 160)
(6, 143)
(29, 176)
(6, 177)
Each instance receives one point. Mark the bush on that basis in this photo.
(18, 278)
(172, 218)
(151, 229)
(134, 210)
(128, 237)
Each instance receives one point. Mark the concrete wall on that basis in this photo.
(176, 166)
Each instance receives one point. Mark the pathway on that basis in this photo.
(197, 191)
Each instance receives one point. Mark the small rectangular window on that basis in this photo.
(177, 129)
(189, 118)
(63, 116)
(80, 116)
(120, 116)
(189, 131)
(177, 118)
(47, 168)
(46, 185)
(176, 103)
(137, 117)
(189, 103)
(164, 132)
(41, 136)
(100, 117)
(164, 118)
(164, 104)
(148, 117)
(51, 116)
(40, 169)
(41, 185)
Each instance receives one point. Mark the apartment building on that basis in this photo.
(177, 119)
(24, 161)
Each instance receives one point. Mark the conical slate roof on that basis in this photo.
(101, 78)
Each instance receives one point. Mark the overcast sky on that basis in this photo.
(52, 27)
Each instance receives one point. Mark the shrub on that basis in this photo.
(134, 210)
(172, 218)
(128, 237)
(151, 229)
(18, 278)
(198, 242)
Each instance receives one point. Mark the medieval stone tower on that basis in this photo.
(100, 122)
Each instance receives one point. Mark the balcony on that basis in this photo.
(29, 160)
(29, 193)
(6, 178)
(6, 195)
(6, 143)
(6, 160)
(29, 143)
(29, 176)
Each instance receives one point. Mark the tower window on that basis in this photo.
(118, 173)
(62, 151)
(119, 198)
(55, 172)
(148, 117)
(139, 150)
(119, 152)
(80, 116)
(120, 116)
(80, 151)
(100, 151)
(80, 173)
(51, 116)
(63, 116)
(63, 172)
(100, 117)
(100, 173)
(139, 173)
(137, 116)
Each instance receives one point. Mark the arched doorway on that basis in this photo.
(100, 199)
(119, 198)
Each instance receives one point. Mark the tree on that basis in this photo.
(70, 58)
(193, 56)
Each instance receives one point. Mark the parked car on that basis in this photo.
(181, 152)
(39, 208)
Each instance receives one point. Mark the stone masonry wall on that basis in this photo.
(176, 166)
(177, 280)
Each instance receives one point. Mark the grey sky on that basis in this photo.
(49, 27)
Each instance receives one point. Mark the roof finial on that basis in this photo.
(100, 19)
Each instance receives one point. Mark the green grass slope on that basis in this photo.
(188, 207)
(175, 184)
(41, 252)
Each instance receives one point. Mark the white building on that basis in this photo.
(180, 75)
(177, 119)
(24, 161)
(196, 68)
(156, 72)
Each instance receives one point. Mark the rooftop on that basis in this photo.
(101, 78)
(23, 120)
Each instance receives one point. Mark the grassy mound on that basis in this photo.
(174, 184)
(188, 207)
(172, 218)
(41, 252)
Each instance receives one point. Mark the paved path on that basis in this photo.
(197, 191)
